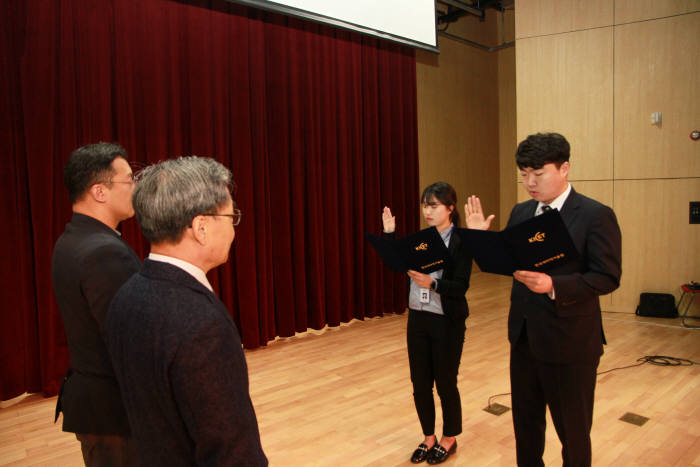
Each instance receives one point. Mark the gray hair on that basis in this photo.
(168, 195)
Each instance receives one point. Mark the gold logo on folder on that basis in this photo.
(538, 237)
(422, 247)
(426, 266)
(549, 260)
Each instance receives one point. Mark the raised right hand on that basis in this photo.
(474, 214)
(388, 220)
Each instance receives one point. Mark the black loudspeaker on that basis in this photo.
(658, 305)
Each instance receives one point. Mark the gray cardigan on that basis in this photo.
(178, 358)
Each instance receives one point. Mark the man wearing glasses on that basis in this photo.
(175, 349)
(90, 262)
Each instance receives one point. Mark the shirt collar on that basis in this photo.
(190, 268)
(445, 234)
(557, 203)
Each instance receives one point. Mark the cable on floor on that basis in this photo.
(660, 360)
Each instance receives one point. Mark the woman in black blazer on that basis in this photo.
(436, 326)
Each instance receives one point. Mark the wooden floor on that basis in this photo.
(342, 397)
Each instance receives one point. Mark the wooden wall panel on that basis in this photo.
(507, 140)
(458, 119)
(638, 10)
(657, 64)
(648, 174)
(599, 190)
(541, 17)
(565, 84)
(660, 249)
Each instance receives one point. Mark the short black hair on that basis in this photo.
(542, 148)
(88, 165)
(445, 194)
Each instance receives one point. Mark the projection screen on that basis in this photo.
(410, 22)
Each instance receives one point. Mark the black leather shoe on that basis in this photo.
(439, 454)
(422, 453)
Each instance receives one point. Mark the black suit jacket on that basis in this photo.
(568, 329)
(178, 358)
(453, 285)
(90, 263)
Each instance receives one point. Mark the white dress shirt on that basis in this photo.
(556, 204)
(189, 268)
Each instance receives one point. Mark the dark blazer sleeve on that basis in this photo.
(104, 271)
(455, 281)
(210, 384)
(601, 271)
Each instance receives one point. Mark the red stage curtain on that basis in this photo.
(318, 126)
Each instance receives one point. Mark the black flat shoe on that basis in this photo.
(439, 454)
(422, 453)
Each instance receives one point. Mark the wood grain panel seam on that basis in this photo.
(659, 18)
(572, 180)
(612, 131)
(649, 179)
(565, 32)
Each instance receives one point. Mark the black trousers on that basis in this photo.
(567, 389)
(108, 450)
(434, 353)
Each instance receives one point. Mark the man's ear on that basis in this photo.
(564, 169)
(98, 192)
(199, 229)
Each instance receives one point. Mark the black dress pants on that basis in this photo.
(108, 450)
(568, 390)
(434, 353)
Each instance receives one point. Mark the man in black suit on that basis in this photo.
(176, 351)
(90, 263)
(554, 325)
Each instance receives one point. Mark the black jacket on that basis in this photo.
(90, 263)
(568, 329)
(453, 286)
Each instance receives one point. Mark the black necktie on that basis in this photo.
(546, 208)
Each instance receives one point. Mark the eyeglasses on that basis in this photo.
(131, 180)
(235, 217)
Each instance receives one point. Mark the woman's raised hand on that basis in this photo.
(388, 220)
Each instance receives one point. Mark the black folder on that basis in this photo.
(423, 251)
(538, 244)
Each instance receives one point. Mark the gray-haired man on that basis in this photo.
(175, 350)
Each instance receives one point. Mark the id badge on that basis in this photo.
(424, 295)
